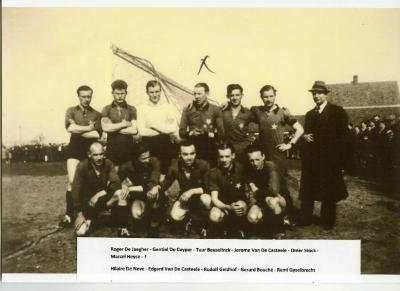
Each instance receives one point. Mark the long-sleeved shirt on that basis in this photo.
(146, 176)
(160, 116)
(87, 182)
(207, 118)
(198, 175)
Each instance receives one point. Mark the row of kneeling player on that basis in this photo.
(223, 201)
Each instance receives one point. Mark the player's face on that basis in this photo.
(154, 94)
(188, 154)
(85, 97)
(235, 97)
(119, 95)
(256, 160)
(200, 95)
(225, 158)
(96, 155)
(268, 97)
(319, 97)
(144, 158)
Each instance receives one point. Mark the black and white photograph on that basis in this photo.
(267, 124)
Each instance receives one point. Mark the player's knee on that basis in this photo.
(137, 212)
(216, 215)
(276, 204)
(206, 200)
(254, 216)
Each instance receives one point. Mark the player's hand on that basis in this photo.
(124, 192)
(79, 220)
(253, 187)
(284, 147)
(92, 202)
(185, 196)
(224, 106)
(153, 193)
(91, 125)
(309, 137)
(126, 123)
(195, 132)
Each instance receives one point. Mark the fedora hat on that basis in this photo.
(319, 86)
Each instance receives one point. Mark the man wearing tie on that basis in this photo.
(323, 158)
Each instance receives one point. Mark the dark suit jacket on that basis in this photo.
(324, 159)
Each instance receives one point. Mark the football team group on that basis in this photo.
(228, 161)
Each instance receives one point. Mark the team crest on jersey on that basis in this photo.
(274, 126)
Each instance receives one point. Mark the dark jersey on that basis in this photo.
(206, 118)
(229, 184)
(198, 175)
(237, 128)
(87, 182)
(79, 145)
(120, 147)
(267, 180)
(146, 176)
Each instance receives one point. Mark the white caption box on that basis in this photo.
(188, 260)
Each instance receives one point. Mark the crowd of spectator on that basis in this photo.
(375, 154)
(51, 152)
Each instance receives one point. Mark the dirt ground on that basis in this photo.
(33, 202)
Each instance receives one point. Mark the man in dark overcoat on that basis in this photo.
(323, 158)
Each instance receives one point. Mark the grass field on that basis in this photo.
(33, 202)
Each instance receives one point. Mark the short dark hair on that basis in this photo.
(119, 85)
(186, 143)
(141, 148)
(232, 87)
(267, 88)
(203, 85)
(152, 83)
(254, 148)
(223, 145)
(83, 88)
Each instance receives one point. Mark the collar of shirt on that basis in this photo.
(124, 104)
(274, 109)
(158, 104)
(321, 107)
(229, 107)
(97, 170)
(204, 107)
(80, 107)
(228, 171)
(182, 167)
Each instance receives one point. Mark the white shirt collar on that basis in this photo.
(322, 106)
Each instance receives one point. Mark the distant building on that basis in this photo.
(362, 100)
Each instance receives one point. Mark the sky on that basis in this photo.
(49, 52)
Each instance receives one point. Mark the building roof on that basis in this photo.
(364, 94)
